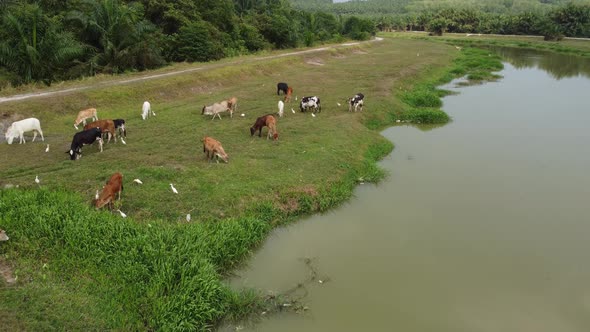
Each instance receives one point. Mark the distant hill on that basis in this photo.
(392, 7)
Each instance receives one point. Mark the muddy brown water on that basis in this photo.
(482, 225)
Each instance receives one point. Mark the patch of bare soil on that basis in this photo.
(6, 273)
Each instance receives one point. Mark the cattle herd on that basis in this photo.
(98, 130)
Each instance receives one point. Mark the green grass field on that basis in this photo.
(153, 270)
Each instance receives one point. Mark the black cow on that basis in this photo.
(310, 102)
(84, 137)
(120, 127)
(282, 87)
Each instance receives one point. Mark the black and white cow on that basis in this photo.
(310, 102)
(84, 137)
(120, 127)
(355, 103)
(282, 87)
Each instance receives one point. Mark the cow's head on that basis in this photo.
(252, 130)
(10, 135)
(203, 111)
(223, 156)
(102, 201)
(275, 136)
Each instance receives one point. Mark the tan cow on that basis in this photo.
(213, 148)
(271, 123)
(232, 104)
(106, 126)
(113, 187)
(85, 114)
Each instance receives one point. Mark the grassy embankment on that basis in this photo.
(81, 269)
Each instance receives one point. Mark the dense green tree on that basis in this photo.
(34, 47)
(573, 19)
(119, 35)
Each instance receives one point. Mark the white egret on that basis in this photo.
(37, 181)
(122, 214)
(47, 148)
(137, 181)
(173, 189)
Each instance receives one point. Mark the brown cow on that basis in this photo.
(213, 148)
(106, 126)
(259, 124)
(289, 94)
(113, 187)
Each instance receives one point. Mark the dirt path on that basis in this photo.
(172, 73)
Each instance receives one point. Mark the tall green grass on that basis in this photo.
(162, 277)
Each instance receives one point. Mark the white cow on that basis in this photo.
(216, 109)
(146, 109)
(281, 107)
(18, 128)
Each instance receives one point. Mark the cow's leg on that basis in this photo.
(34, 135)
(41, 133)
(22, 138)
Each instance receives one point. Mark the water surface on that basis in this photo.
(482, 224)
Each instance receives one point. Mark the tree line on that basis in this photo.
(50, 40)
(551, 18)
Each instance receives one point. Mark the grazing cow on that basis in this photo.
(146, 109)
(106, 126)
(262, 122)
(213, 148)
(282, 87)
(356, 102)
(271, 123)
(281, 106)
(85, 114)
(120, 127)
(217, 108)
(289, 94)
(84, 137)
(3, 236)
(113, 187)
(310, 102)
(232, 104)
(18, 128)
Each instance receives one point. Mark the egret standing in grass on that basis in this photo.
(173, 189)
(122, 214)
(96, 196)
(137, 181)
(37, 181)
(292, 110)
(188, 217)
(47, 148)
(313, 114)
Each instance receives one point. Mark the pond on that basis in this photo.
(482, 224)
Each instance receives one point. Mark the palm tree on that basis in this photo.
(33, 47)
(117, 32)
